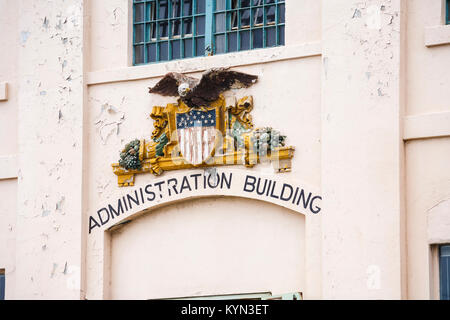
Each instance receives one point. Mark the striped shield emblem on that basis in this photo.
(196, 131)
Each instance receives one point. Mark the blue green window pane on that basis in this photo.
(139, 12)
(245, 18)
(281, 13)
(232, 42)
(221, 5)
(176, 9)
(176, 49)
(150, 33)
(139, 33)
(139, 56)
(245, 3)
(163, 29)
(257, 38)
(271, 37)
(176, 28)
(151, 52)
(281, 35)
(187, 7)
(245, 40)
(220, 42)
(163, 12)
(200, 25)
(271, 14)
(187, 26)
(201, 6)
(220, 22)
(188, 48)
(200, 47)
(233, 19)
(164, 51)
(258, 16)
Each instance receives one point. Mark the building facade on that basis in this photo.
(360, 89)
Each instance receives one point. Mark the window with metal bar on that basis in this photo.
(166, 30)
(447, 11)
(444, 272)
(2, 284)
(248, 24)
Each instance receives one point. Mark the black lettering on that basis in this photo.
(142, 195)
(151, 193)
(125, 203)
(247, 183)
(257, 187)
(316, 209)
(135, 200)
(115, 212)
(282, 192)
(158, 184)
(302, 197)
(100, 216)
(160, 188)
(227, 182)
(273, 188)
(217, 180)
(174, 186)
(195, 176)
(92, 226)
(295, 195)
(185, 184)
(268, 188)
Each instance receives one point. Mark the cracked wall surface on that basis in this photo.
(50, 107)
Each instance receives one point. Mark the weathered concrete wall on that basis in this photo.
(362, 161)
(8, 139)
(50, 107)
(427, 159)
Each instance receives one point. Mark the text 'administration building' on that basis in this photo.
(318, 169)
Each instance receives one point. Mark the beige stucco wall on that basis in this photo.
(360, 89)
(227, 246)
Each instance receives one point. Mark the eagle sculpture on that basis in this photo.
(196, 93)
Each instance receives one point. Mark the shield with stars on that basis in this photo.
(196, 131)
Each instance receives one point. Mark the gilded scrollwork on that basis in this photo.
(233, 122)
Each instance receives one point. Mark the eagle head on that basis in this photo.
(183, 89)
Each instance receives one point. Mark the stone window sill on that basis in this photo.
(203, 63)
(437, 35)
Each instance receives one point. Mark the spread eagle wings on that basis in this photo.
(205, 90)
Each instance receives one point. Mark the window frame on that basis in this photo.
(209, 35)
(444, 278)
(2, 284)
(447, 12)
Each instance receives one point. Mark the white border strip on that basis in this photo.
(242, 58)
(429, 125)
(8, 167)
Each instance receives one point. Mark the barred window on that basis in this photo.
(444, 272)
(2, 284)
(166, 30)
(447, 11)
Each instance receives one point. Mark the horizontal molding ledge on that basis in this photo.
(199, 64)
(429, 125)
(438, 35)
(8, 167)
